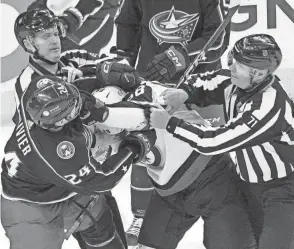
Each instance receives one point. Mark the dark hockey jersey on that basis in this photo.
(43, 167)
(73, 58)
(147, 28)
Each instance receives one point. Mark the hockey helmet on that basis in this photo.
(28, 23)
(259, 51)
(54, 103)
(109, 95)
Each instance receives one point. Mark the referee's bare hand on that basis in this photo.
(174, 99)
(159, 117)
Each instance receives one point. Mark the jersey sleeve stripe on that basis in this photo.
(235, 133)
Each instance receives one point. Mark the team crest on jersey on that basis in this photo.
(43, 82)
(173, 26)
(65, 150)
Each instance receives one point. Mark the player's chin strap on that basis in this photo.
(37, 56)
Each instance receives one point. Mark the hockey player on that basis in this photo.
(188, 185)
(259, 134)
(49, 173)
(38, 31)
(161, 37)
(96, 26)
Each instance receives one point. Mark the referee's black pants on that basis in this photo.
(271, 210)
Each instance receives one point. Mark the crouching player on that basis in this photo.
(187, 184)
(49, 174)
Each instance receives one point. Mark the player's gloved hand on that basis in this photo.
(164, 66)
(174, 98)
(121, 54)
(142, 141)
(70, 74)
(118, 74)
(93, 110)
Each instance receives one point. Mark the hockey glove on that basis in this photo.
(142, 141)
(118, 74)
(93, 110)
(164, 66)
(121, 54)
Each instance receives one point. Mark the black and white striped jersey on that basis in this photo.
(259, 129)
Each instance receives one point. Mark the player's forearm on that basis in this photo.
(212, 18)
(246, 130)
(128, 25)
(200, 94)
(103, 177)
(214, 53)
(131, 119)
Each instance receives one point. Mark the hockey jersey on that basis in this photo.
(147, 28)
(172, 164)
(258, 134)
(43, 167)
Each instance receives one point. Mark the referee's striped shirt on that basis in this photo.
(259, 133)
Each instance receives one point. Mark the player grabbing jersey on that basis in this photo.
(162, 37)
(49, 173)
(258, 133)
(188, 185)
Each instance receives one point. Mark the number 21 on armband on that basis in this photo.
(12, 162)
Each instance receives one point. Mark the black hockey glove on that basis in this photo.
(93, 110)
(164, 66)
(121, 54)
(118, 74)
(141, 141)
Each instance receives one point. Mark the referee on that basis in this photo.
(258, 134)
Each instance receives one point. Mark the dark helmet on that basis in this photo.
(28, 23)
(258, 51)
(53, 101)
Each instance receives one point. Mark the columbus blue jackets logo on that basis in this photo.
(42, 82)
(173, 26)
(65, 150)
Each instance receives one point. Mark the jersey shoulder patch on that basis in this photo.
(65, 150)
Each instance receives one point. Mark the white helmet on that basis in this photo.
(109, 95)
